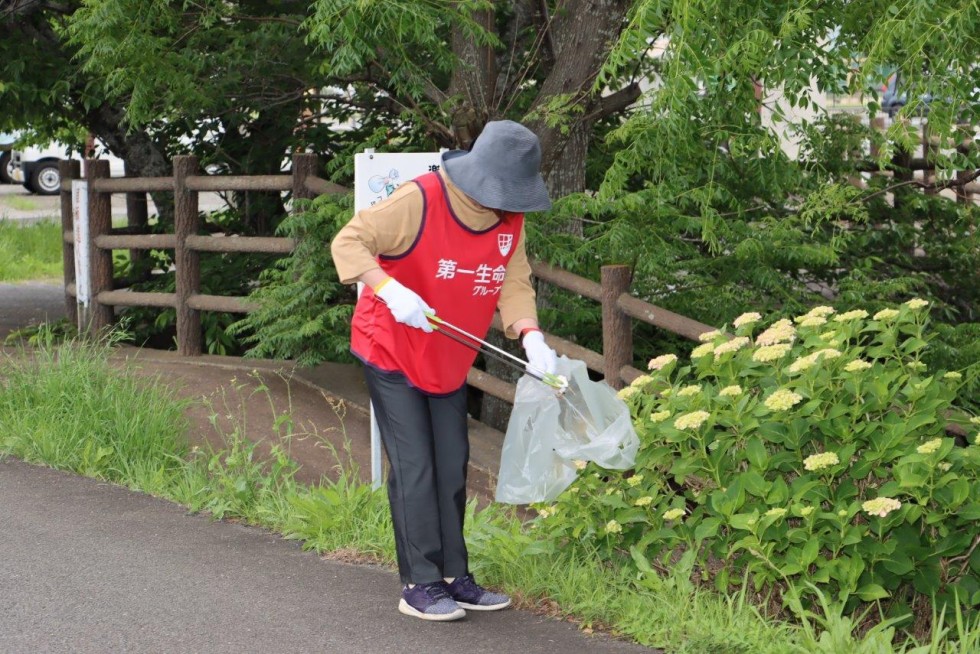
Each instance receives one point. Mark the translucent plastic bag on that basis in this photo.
(547, 433)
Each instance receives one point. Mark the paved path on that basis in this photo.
(90, 567)
(29, 303)
(17, 203)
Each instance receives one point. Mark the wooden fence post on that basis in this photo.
(963, 146)
(929, 150)
(617, 327)
(188, 262)
(903, 172)
(101, 316)
(304, 165)
(68, 170)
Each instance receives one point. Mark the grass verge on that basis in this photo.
(65, 407)
(30, 251)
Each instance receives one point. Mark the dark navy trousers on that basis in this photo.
(428, 449)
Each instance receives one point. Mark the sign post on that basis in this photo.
(79, 214)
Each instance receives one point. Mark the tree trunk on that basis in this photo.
(143, 156)
(583, 32)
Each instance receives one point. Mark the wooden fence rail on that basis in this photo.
(619, 308)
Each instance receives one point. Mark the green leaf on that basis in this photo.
(809, 552)
(642, 564)
(970, 512)
(756, 453)
(744, 521)
(754, 483)
(707, 529)
(872, 592)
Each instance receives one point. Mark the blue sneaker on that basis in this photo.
(470, 595)
(430, 602)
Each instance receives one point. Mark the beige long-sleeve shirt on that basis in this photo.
(389, 228)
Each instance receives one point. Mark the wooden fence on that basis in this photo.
(917, 167)
(619, 308)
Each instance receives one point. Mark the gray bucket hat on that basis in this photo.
(502, 171)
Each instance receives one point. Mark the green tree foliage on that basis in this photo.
(304, 311)
(717, 217)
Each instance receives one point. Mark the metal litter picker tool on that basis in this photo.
(463, 337)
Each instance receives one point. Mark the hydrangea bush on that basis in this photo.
(810, 450)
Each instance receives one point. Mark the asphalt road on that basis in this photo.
(90, 567)
(30, 303)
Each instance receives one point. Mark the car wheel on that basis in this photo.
(6, 168)
(46, 179)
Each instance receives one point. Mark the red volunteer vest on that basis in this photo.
(459, 273)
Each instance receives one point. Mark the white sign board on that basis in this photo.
(79, 216)
(378, 174)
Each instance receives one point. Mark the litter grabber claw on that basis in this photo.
(463, 337)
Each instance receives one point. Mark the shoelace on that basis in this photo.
(435, 590)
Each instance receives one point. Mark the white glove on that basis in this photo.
(405, 304)
(540, 357)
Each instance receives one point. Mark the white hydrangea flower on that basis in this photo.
(782, 399)
(929, 447)
(881, 506)
(641, 381)
(770, 352)
(856, 314)
(643, 501)
(707, 337)
(776, 512)
(733, 345)
(857, 365)
(730, 391)
(780, 331)
(692, 389)
(886, 314)
(673, 514)
(627, 392)
(658, 363)
(803, 363)
(691, 420)
(702, 350)
(917, 303)
(659, 416)
(820, 461)
(613, 527)
(747, 319)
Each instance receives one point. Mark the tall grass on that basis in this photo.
(30, 251)
(66, 407)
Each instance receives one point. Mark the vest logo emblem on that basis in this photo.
(504, 242)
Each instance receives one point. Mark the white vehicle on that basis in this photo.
(6, 160)
(37, 168)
